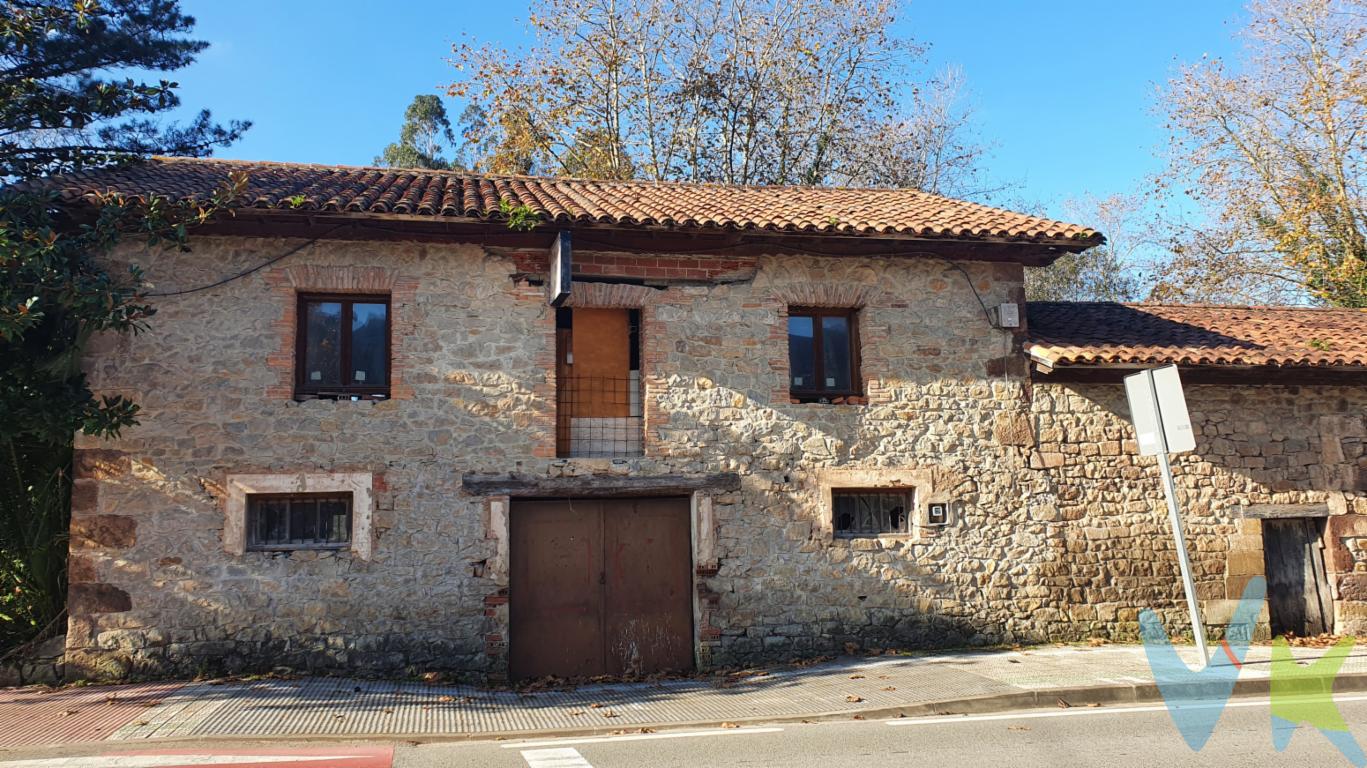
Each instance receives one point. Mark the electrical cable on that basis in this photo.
(246, 272)
(986, 312)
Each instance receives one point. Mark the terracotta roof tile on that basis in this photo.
(1083, 333)
(386, 191)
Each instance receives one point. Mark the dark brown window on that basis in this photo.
(823, 353)
(299, 521)
(870, 512)
(343, 346)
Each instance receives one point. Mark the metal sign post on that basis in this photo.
(1162, 425)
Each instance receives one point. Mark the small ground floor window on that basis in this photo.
(871, 512)
(299, 521)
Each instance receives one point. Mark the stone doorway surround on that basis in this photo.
(499, 491)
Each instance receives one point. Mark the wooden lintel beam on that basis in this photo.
(598, 485)
(1274, 511)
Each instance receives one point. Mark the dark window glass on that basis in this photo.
(822, 353)
(323, 344)
(870, 513)
(305, 521)
(369, 347)
(343, 346)
(801, 354)
(835, 348)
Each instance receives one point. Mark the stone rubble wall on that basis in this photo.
(1057, 533)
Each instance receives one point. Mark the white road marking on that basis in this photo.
(555, 758)
(158, 761)
(1084, 711)
(642, 737)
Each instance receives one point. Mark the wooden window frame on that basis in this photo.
(250, 522)
(851, 316)
(909, 510)
(303, 388)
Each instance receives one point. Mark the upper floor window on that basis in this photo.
(299, 521)
(870, 512)
(823, 353)
(343, 346)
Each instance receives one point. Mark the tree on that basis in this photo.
(64, 106)
(1269, 157)
(731, 91)
(425, 126)
(1108, 272)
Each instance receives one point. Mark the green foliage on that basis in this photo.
(425, 126)
(521, 218)
(1093, 275)
(56, 294)
(73, 97)
(65, 106)
(35, 503)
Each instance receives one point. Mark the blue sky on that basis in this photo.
(1063, 89)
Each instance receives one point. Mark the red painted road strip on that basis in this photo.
(43, 716)
(341, 757)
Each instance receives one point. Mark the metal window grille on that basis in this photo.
(598, 417)
(870, 513)
(301, 521)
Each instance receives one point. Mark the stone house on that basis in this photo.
(387, 429)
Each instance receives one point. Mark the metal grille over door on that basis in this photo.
(600, 587)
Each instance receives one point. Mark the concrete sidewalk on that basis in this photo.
(965, 682)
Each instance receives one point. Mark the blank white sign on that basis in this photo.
(1159, 411)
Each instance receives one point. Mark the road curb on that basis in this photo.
(1074, 696)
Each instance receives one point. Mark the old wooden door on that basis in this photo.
(1298, 596)
(600, 587)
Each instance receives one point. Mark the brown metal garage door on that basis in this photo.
(600, 587)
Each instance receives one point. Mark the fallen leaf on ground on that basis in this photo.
(152, 703)
(646, 730)
(854, 699)
(858, 717)
(388, 710)
(577, 712)
(890, 688)
(69, 712)
(1017, 728)
(856, 677)
(140, 722)
(729, 725)
(339, 717)
(609, 713)
(1095, 704)
(1063, 704)
(595, 705)
(1013, 661)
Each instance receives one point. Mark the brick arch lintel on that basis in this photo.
(826, 295)
(348, 279)
(610, 295)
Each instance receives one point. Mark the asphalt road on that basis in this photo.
(1138, 736)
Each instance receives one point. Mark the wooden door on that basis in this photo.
(1298, 596)
(648, 598)
(555, 592)
(600, 587)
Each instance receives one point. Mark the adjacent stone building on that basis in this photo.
(672, 426)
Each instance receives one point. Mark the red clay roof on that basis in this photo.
(1098, 334)
(426, 193)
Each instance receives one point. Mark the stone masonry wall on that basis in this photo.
(1255, 445)
(1054, 534)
